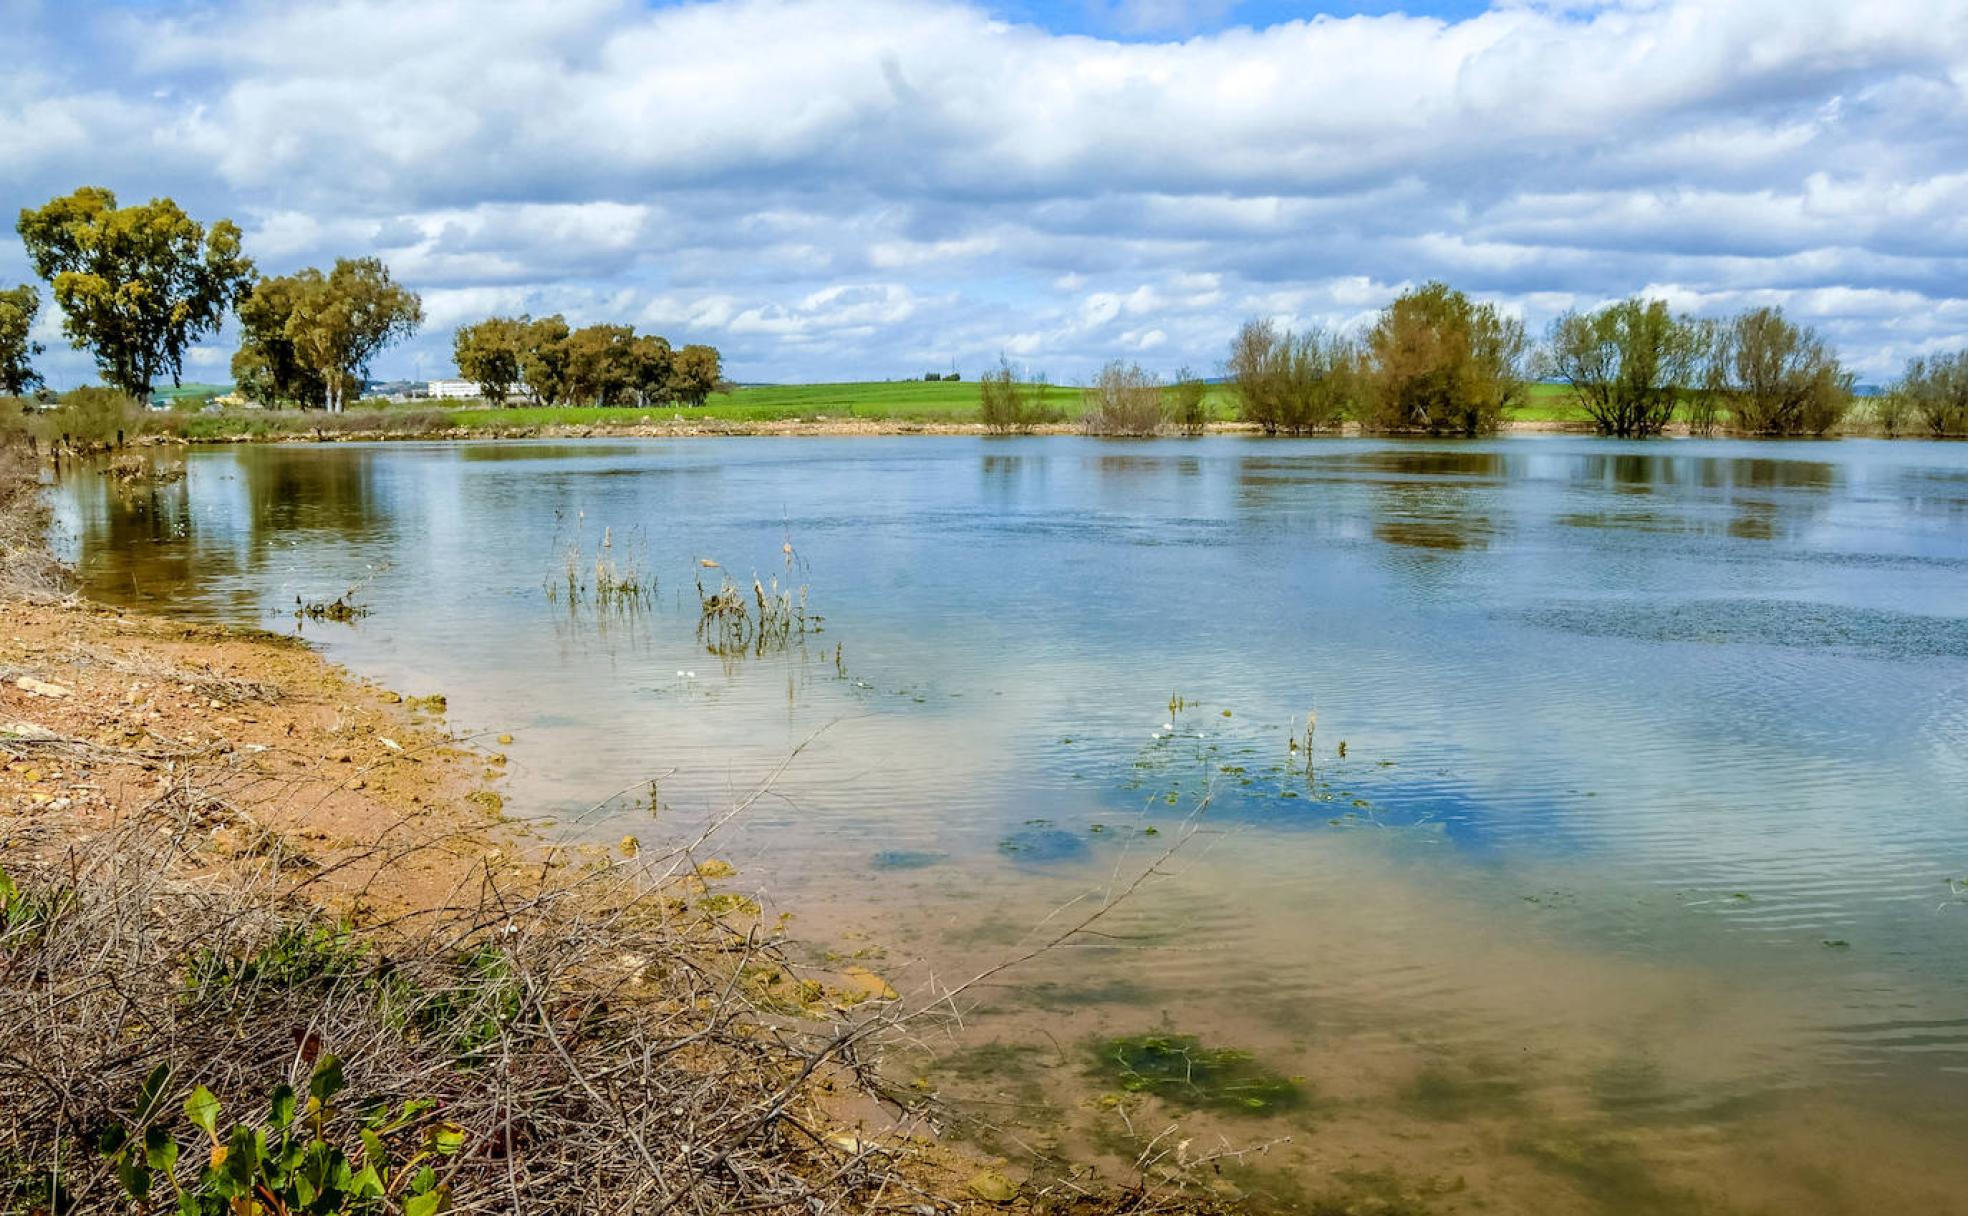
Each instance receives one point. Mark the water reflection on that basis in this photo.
(1631, 731)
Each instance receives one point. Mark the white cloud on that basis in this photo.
(839, 187)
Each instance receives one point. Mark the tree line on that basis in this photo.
(604, 365)
(1435, 362)
(138, 286)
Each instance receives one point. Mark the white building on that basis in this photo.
(451, 390)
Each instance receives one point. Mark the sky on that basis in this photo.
(829, 190)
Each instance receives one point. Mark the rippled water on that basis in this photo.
(1631, 892)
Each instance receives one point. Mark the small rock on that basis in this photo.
(41, 688)
(504, 740)
(392, 698)
(630, 846)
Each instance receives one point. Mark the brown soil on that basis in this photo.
(293, 745)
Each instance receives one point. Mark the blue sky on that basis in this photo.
(832, 189)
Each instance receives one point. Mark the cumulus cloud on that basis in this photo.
(847, 188)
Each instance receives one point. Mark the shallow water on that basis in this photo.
(1631, 892)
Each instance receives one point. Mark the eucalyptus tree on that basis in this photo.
(343, 319)
(267, 368)
(695, 373)
(137, 285)
(18, 308)
(543, 360)
(488, 354)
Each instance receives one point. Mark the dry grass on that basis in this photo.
(27, 568)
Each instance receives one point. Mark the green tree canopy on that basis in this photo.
(653, 365)
(1936, 389)
(1439, 362)
(1777, 378)
(600, 363)
(340, 320)
(1628, 364)
(136, 285)
(695, 373)
(1294, 383)
(489, 353)
(18, 308)
(266, 367)
(543, 361)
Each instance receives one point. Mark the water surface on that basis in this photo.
(1637, 887)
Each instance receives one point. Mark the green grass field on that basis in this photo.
(895, 401)
(890, 401)
(877, 401)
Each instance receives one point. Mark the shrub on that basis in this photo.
(90, 417)
(1628, 364)
(1007, 403)
(1293, 383)
(1123, 400)
(1935, 393)
(1440, 363)
(1777, 378)
(1186, 406)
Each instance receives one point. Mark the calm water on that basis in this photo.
(1636, 888)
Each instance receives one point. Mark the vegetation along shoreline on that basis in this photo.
(139, 285)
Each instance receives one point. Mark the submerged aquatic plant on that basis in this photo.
(614, 576)
(1179, 1069)
(733, 621)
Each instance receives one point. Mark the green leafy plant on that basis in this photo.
(288, 1163)
(298, 954)
(24, 917)
(1179, 1069)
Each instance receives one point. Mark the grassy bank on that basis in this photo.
(899, 407)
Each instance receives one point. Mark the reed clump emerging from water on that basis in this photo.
(734, 620)
(613, 576)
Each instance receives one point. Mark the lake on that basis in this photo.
(1624, 869)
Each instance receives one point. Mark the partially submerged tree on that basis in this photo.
(137, 285)
(1777, 378)
(1291, 383)
(1628, 364)
(18, 308)
(1438, 362)
(342, 319)
(1123, 400)
(1935, 392)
